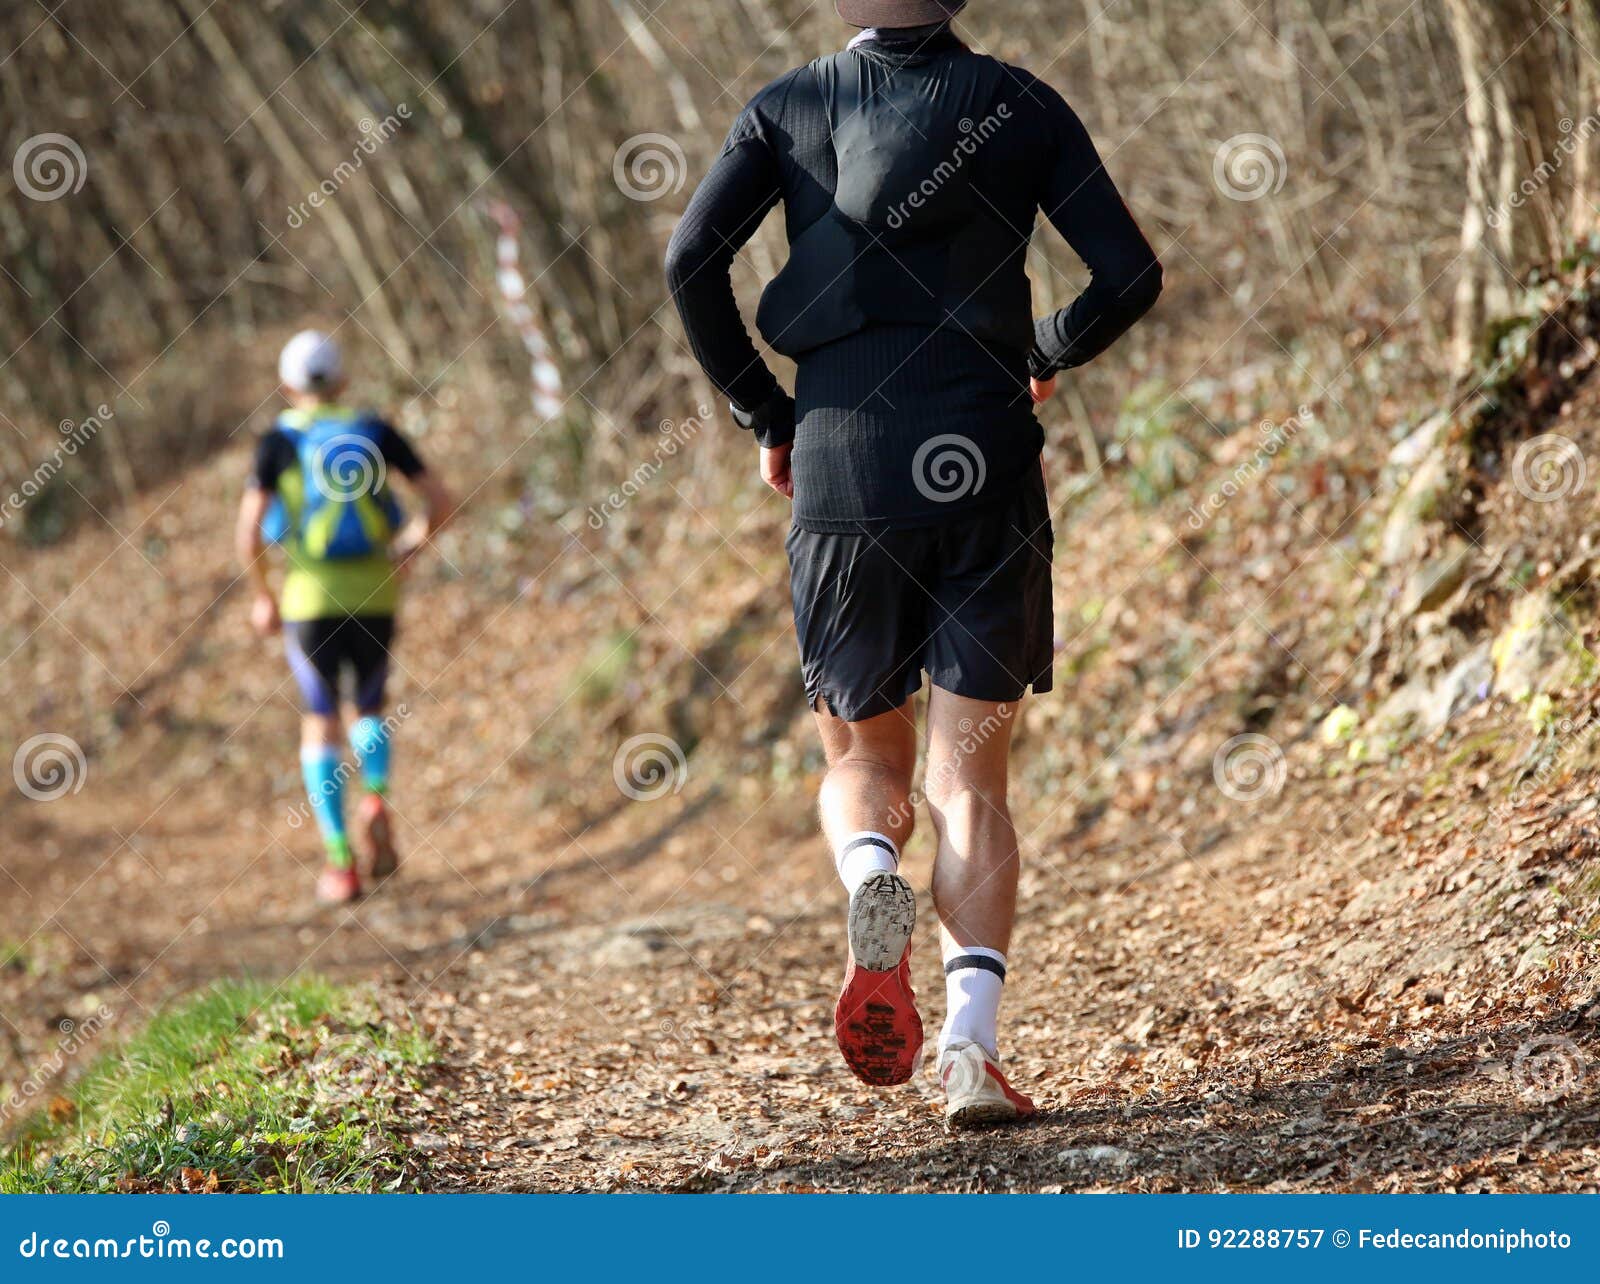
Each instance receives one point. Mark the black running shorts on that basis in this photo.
(969, 601)
(321, 651)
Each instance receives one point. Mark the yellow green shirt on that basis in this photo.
(319, 588)
(315, 590)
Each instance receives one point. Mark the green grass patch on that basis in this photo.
(1149, 436)
(608, 662)
(14, 957)
(1487, 745)
(246, 1086)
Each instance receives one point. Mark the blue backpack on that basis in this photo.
(333, 504)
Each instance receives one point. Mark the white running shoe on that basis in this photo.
(976, 1094)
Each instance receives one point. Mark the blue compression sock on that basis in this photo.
(323, 771)
(369, 737)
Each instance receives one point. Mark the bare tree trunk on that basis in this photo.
(1525, 182)
(1466, 22)
(1585, 211)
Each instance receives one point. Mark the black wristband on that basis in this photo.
(772, 422)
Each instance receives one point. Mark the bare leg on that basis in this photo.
(319, 730)
(975, 894)
(975, 872)
(866, 804)
(868, 785)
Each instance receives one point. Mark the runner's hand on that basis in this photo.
(406, 545)
(264, 615)
(1040, 389)
(775, 469)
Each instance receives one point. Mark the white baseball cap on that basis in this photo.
(310, 362)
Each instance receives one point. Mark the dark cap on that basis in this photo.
(897, 13)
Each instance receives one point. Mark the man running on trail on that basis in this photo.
(911, 169)
(318, 487)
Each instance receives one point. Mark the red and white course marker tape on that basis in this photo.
(547, 398)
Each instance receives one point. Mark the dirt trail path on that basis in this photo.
(1367, 979)
(1189, 1022)
(1339, 987)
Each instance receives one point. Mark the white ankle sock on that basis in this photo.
(973, 979)
(862, 854)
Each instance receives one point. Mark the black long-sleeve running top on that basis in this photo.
(866, 404)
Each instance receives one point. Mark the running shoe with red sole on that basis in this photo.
(976, 1094)
(875, 1021)
(377, 836)
(337, 886)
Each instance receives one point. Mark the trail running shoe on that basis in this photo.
(976, 1094)
(876, 1021)
(337, 886)
(377, 836)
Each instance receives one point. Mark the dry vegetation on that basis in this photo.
(205, 129)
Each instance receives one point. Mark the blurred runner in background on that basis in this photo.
(319, 487)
